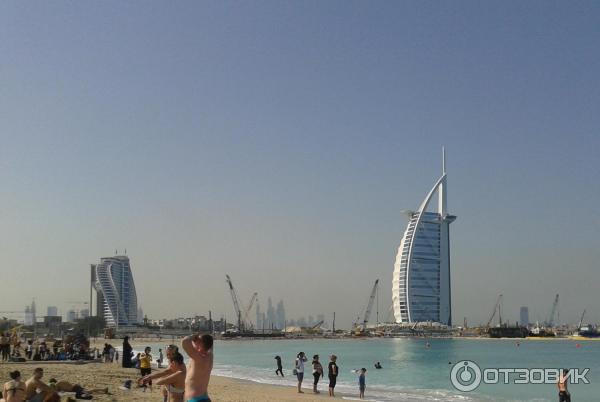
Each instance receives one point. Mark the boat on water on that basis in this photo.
(507, 332)
(588, 331)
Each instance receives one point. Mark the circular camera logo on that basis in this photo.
(465, 376)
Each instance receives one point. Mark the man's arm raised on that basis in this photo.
(188, 345)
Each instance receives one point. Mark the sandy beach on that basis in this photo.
(100, 375)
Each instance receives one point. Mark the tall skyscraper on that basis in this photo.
(116, 297)
(270, 314)
(52, 311)
(258, 317)
(524, 316)
(71, 316)
(421, 280)
(280, 315)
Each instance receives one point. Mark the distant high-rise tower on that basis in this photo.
(52, 311)
(421, 280)
(71, 316)
(271, 319)
(280, 315)
(258, 317)
(117, 299)
(524, 316)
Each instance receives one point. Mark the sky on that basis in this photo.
(279, 141)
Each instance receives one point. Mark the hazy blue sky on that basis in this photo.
(279, 141)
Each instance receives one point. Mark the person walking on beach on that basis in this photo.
(200, 350)
(145, 362)
(299, 369)
(14, 390)
(127, 353)
(279, 366)
(563, 393)
(317, 372)
(333, 374)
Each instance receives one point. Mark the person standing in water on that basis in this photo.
(317, 372)
(362, 382)
(279, 366)
(333, 373)
(563, 393)
(299, 368)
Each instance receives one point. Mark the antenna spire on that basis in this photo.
(444, 160)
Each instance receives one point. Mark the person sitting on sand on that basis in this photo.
(80, 392)
(200, 350)
(14, 390)
(37, 391)
(175, 382)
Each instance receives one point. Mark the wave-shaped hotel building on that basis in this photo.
(115, 289)
(421, 281)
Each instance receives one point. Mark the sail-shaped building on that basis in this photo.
(117, 298)
(421, 280)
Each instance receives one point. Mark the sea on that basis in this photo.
(416, 369)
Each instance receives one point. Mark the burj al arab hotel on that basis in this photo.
(421, 281)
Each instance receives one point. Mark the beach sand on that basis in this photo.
(100, 375)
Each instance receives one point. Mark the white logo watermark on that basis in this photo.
(466, 375)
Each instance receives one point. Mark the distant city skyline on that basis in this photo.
(279, 142)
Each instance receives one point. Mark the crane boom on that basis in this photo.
(236, 303)
(581, 320)
(550, 322)
(496, 309)
(370, 305)
(247, 312)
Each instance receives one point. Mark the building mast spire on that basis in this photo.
(443, 160)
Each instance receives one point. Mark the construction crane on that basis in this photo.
(581, 319)
(550, 322)
(363, 326)
(497, 308)
(236, 303)
(247, 321)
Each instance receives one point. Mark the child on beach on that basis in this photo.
(145, 361)
(362, 384)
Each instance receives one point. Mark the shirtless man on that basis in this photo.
(563, 392)
(35, 384)
(175, 382)
(199, 349)
(14, 390)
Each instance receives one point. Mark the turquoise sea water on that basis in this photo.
(413, 372)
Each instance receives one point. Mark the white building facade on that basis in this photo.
(117, 298)
(421, 280)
